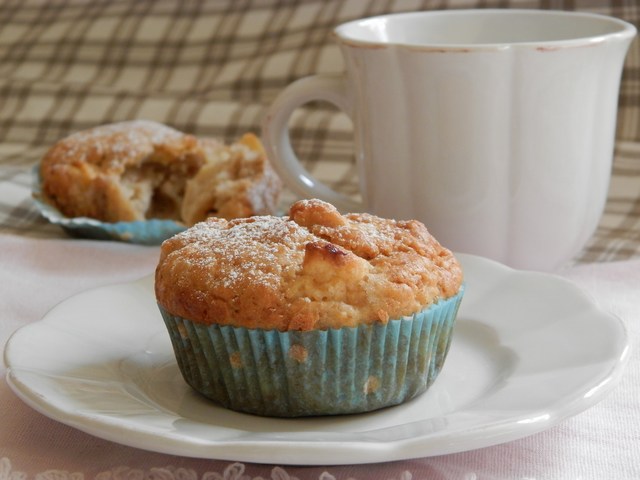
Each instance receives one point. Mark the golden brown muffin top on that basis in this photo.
(313, 269)
(113, 147)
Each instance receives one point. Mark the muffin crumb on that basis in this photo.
(298, 353)
(235, 359)
(371, 385)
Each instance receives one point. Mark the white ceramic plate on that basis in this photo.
(529, 350)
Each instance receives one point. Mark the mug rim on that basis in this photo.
(625, 30)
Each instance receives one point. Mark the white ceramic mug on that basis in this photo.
(493, 127)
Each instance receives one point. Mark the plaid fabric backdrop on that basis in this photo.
(211, 68)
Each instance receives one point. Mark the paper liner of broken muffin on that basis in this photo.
(144, 232)
(318, 372)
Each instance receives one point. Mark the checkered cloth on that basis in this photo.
(211, 68)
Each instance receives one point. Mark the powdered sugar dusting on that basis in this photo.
(253, 250)
(123, 139)
(135, 131)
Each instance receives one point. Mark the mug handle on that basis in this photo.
(277, 142)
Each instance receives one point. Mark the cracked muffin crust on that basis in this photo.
(312, 269)
(139, 170)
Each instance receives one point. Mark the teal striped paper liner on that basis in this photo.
(143, 232)
(318, 372)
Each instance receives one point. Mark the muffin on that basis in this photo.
(140, 170)
(314, 313)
